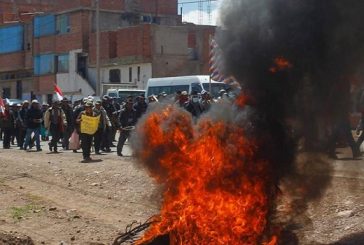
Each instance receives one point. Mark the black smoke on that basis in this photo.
(323, 40)
(295, 108)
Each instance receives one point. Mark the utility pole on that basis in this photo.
(98, 82)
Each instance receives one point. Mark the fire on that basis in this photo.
(280, 64)
(216, 191)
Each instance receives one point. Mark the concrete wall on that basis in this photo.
(171, 52)
(145, 74)
(170, 40)
(109, 21)
(71, 83)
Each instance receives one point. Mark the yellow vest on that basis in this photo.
(89, 125)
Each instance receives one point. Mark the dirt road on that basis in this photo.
(56, 199)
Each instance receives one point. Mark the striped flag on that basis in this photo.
(58, 92)
(2, 105)
(216, 65)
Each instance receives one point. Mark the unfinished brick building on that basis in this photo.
(43, 42)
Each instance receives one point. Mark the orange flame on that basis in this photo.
(216, 191)
(280, 64)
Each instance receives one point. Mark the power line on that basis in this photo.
(209, 11)
(200, 10)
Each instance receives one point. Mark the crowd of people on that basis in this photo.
(61, 123)
(26, 125)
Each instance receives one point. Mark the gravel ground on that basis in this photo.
(56, 199)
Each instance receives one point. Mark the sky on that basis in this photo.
(190, 12)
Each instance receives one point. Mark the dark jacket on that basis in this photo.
(7, 120)
(195, 109)
(112, 113)
(76, 113)
(69, 115)
(32, 115)
(141, 108)
(127, 118)
(23, 117)
(104, 119)
(17, 119)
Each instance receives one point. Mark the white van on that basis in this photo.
(170, 85)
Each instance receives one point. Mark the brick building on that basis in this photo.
(43, 42)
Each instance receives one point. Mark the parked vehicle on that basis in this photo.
(121, 94)
(12, 101)
(170, 85)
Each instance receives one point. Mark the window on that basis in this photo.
(130, 74)
(6, 93)
(11, 39)
(123, 95)
(114, 76)
(138, 75)
(44, 25)
(62, 63)
(63, 23)
(215, 88)
(44, 64)
(196, 87)
(167, 89)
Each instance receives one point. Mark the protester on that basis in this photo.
(7, 123)
(112, 113)
(77, 110)
(43, 131)
(343, 128)
(86, 138)
(205, 101)
(67, 109)
(55, 122)
(162, 96)
(34, 119)
(182, 99)
(194, 106)
(140, 106)
(101, 135)
(127, 118)
(152, 99)
(177, 96)
(15, 134)
(360, 132)
(23, 123)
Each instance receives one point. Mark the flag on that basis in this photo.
(58, 92)
(216, 66)
(2, 105)
(215, 61)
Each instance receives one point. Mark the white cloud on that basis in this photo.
(193, 17)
